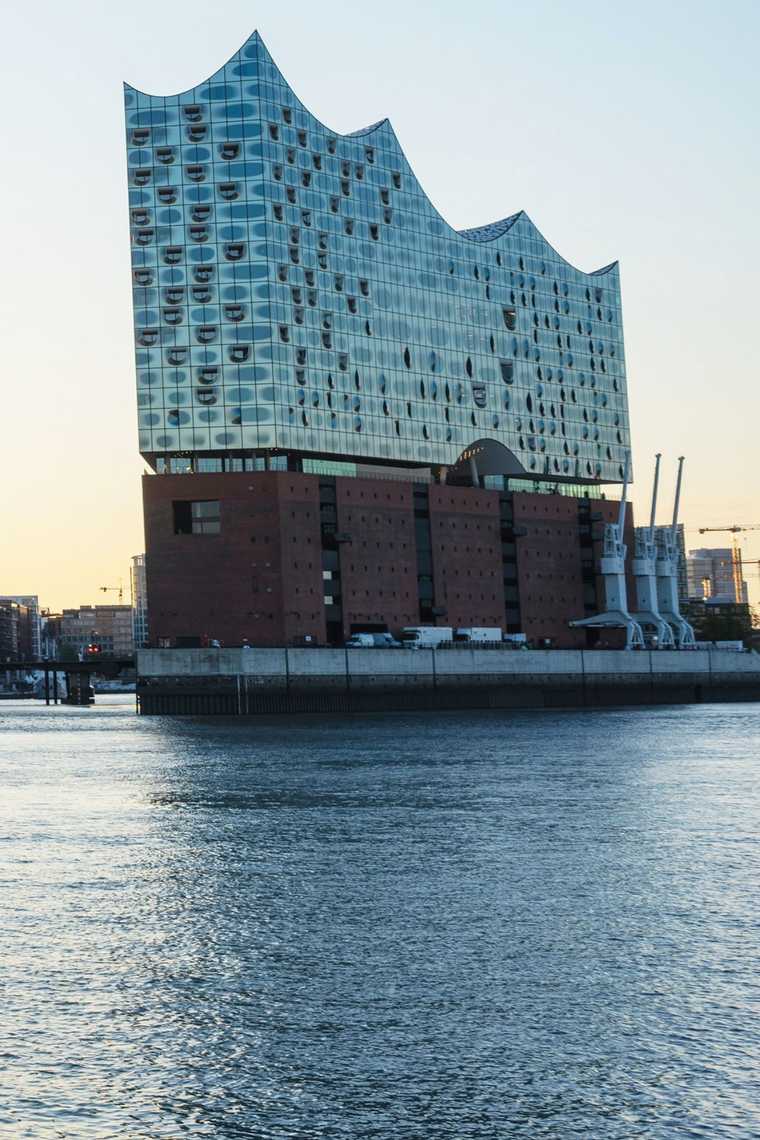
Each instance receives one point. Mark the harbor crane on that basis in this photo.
(644, 567)
(612, 565)
(737, 559)
(655, 573)
(668, 559)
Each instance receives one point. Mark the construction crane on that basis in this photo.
(752, 562)
(116, 589)
(737, 559)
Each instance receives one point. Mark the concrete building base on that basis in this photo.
(236, 682)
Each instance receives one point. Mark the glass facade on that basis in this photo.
(296, 291)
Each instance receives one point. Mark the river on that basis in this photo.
(522, 924)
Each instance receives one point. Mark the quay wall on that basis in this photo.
(256, 681)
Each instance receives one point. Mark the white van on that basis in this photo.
(516, 640)
(425, 636)
(372, 641)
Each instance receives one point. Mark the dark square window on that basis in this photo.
(202, 517)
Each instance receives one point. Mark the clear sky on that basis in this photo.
(627, 131)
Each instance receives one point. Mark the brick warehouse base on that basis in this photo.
(251, 682)
(277, 558)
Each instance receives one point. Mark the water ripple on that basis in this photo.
(539, 925)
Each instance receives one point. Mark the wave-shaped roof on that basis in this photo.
(255, 48)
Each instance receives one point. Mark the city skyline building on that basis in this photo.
(107, 626)
(713, 574)
(299, 301)
(139, 596)
(683, 580)
(17, 630)
(31, 623)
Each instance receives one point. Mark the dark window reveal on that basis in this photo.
(196, 517)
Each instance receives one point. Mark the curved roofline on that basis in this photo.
(502, 226)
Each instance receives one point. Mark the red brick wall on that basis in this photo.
(467, 565)
(261, 577)
(378, 566)
(253, 578)
(301, 557)
(549, 568)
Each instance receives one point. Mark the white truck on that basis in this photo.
(425, 636)
(479, 634)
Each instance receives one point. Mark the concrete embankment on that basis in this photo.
(257, 681)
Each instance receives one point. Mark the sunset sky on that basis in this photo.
(627, 131)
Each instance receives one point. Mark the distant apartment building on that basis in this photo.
(716, 574)
(139, 601)
(109, 627)
(50, 633)
(30, 626)
(19, 631)
(683, 578)
(8, 631)
(719, 620)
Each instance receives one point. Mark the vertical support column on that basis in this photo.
(55, 686)
(47, 685)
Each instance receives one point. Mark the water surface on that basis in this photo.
(420, 926)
